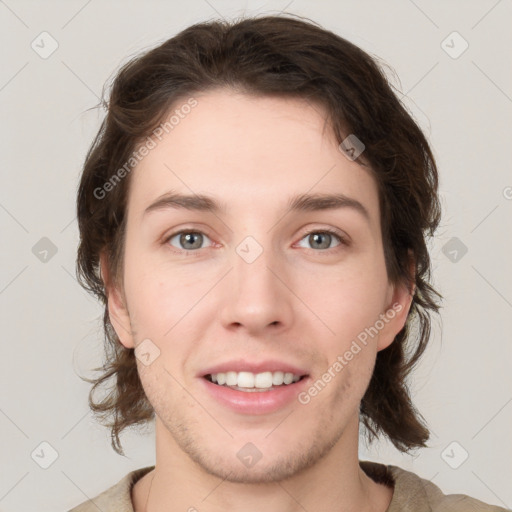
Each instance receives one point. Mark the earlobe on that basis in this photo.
(396, 313)
(117, 310)
(399, 305)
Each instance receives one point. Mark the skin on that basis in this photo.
(296, 302)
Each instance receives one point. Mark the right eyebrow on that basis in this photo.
(197, 202)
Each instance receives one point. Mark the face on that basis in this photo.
(258, 285)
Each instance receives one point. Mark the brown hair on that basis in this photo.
(288, 57)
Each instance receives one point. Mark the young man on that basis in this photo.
(253, 214)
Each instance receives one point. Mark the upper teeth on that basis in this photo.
(254, 380)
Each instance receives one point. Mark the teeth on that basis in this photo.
(264, 380)
(277, 378)
(245, 379)
(231, 378)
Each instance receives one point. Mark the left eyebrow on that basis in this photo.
(298, 203)
(317, 202)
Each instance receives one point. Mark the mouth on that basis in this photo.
(254, 394)
(249, 382)
(250, 387)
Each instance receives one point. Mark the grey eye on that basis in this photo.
(188, 240)
(321, 239)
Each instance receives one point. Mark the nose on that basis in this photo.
(257, 296)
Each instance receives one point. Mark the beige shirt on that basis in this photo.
(411, 493)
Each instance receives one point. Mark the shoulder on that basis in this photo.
(415, 494)
(116, 498)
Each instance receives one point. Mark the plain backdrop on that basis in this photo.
(51, 329)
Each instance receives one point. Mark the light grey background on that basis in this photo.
(51, 329)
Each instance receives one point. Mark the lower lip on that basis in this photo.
(255, 402)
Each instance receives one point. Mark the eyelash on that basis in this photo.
(343, 241)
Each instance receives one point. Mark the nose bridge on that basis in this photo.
(252, 263)
(256, 297)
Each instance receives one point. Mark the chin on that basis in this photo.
(260, 473)
(263, 468)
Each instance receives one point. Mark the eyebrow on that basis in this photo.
(298, 203)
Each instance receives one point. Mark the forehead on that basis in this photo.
(251, 152)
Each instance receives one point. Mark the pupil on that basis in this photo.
(317, 235)
(185, 238)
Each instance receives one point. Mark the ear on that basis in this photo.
(399, 302)
(117, 309)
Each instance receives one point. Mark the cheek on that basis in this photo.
(158, 294)
(336, 398)
(348, 303)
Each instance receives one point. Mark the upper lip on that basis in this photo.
(241, 365)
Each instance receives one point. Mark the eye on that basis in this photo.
(188, 240)
(191, 241)
(323, 238)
